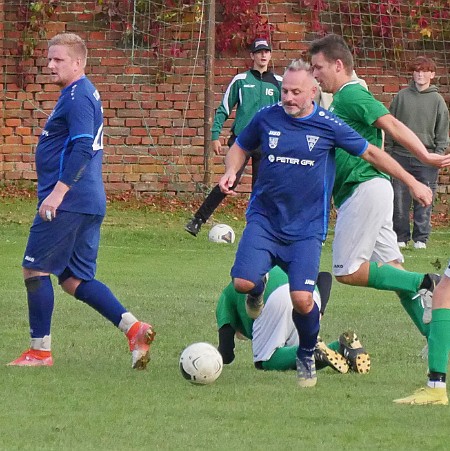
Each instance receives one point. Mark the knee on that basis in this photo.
(302, 303)
(242, 285)
(70, 285)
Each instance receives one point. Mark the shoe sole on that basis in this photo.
(357, 358)
(191, 232)
(307, 383)
(331, 358)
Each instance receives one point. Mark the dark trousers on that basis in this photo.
(403, 201)
(215, 197)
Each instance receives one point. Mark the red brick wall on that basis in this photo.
(153, 130)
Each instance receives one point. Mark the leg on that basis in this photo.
(402, 203)
(435, 391)
(422, 215)
(210, 204)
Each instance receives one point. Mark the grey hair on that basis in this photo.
(300, 65)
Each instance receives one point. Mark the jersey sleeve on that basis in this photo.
(350, 140)
(229, 101)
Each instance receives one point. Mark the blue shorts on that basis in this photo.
(68, 243)
(259, 251)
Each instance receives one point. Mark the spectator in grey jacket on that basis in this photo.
(421, 108)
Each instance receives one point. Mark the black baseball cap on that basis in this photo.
(260, 44)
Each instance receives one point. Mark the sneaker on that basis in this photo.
(327, 357)
(426, 296)
(419, 245)
(401, 244)
(194, 226)
(351, 348)
(33, 357)
(140, 336)
(426, 395)
(306, 372)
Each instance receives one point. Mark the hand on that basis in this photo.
(226, 182)
(439, 161)
(422, 194)
(47, 210)
(217, 147)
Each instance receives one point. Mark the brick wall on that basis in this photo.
(153, 116)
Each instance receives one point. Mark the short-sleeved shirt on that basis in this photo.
(357, 107)
(77, 114)
(297, 169)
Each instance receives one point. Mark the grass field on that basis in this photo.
(92, 400)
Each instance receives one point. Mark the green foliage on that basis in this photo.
(387, 26)
(91, 399)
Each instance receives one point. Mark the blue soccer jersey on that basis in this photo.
(297, 170)
(78, 115)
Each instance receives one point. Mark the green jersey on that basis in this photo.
(248, 92)
(359, 109)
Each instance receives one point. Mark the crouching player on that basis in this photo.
(274, 335)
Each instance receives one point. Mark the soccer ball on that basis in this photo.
(222, 233)
(201, 363)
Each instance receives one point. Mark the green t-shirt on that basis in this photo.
(357, 107)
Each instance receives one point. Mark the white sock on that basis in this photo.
(42, 344)
(127, 321)
(436, 384)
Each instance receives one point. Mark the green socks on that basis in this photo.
(414, 309)
(439, 341)
(386, 277)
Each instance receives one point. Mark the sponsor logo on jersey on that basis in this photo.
(274, 133)
(312, 141)
(249, 86)
(290, 160)
(29, 259)
(309, 282)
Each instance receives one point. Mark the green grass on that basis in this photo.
(91, 399)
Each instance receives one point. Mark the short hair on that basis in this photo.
(301, 65)
(76, 45)
(333, 48)
(422, 63)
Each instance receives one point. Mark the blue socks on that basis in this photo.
(41, 300)
(101, 298)
(308, 328)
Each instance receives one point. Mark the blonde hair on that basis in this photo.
(77, 47)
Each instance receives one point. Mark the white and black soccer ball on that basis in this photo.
(201, 363)
(222, 233)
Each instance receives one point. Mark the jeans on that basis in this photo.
(215, 197)
(403, 201)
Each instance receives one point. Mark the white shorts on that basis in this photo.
(447, 271)
(274, 328)
(364, 229)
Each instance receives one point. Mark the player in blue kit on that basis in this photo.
(287, 216)
(65, 234)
